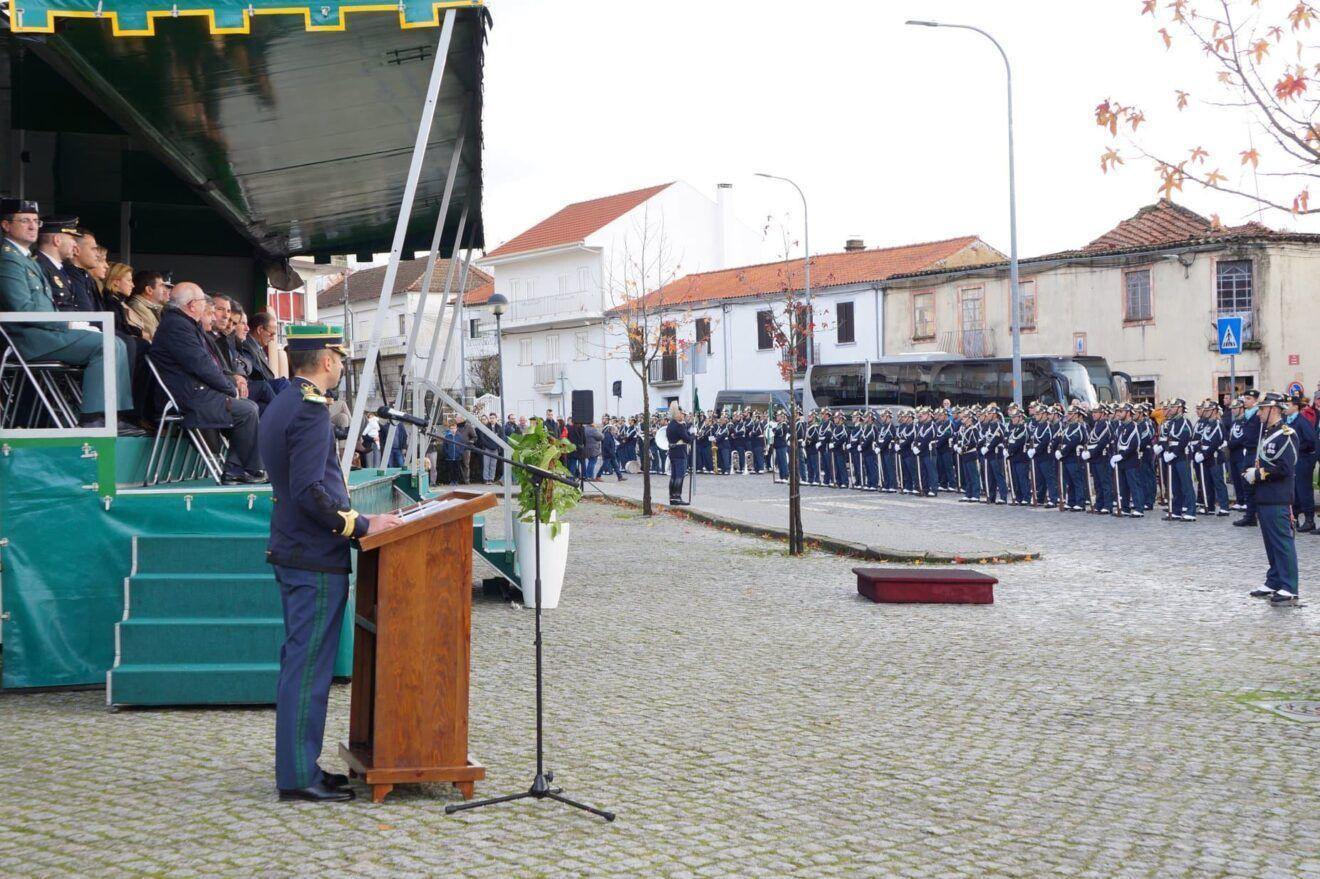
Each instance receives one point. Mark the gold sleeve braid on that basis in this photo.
(350, 522)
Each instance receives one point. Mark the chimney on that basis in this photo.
(854, 245)
(723, 223)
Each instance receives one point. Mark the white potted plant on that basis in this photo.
(537, 448)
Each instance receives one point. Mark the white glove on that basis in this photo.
(1250, 476)
(985, 450)
(1031, 453)
(916, 450)
(83, 325)
(1086, 454)
(1115, 459)
(1199, 457)
(831, 445)
(1158, 448)
(1058, 456)
(1168, 457)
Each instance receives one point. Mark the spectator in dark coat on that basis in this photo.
(592, 439)
(208, 398)
(467, 434)
(578, 437)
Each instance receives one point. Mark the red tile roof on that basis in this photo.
(1159, 226)
(364, 284)
(1165, 222)
(827, 270)
(479, 295)
(575, 222)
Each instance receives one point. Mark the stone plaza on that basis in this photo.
(748, 714)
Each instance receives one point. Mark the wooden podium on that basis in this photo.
(412, 649)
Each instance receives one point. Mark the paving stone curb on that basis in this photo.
(824, 542)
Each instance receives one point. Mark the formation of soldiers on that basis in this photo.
(1116, 460)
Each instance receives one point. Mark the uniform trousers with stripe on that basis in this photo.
(313, 612)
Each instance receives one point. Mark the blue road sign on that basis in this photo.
(1230, 335)
(1294, 389)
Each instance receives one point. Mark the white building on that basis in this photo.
(353, 301)
(723, 319)
(562, 275)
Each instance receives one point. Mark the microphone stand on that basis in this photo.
(540, 789)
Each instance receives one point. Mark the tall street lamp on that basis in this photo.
(499, 304)
(1015, 292)
(806, 265)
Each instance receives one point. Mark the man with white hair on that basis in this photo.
(209, 398)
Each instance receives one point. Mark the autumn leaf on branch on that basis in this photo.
(1301, 16)
(1110, 159)
(1302, 202)
(1168, 40)
(1198, 155)
(1260, 50)
(1214, 179)
(1171, 180)
(1182, 99)
(1291, 86)
(1252, 156)
(1148, 7)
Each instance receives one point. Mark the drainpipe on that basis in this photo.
(879, 322)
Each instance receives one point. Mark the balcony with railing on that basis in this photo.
(546, 375)
(969, 343)
(666, 369)
(1251, 328)
(560, 306)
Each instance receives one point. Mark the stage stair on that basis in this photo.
(202, 623)
(498, 551)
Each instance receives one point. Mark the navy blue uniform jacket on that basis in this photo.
(198, 384)
(312, 521)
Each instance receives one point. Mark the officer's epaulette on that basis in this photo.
(1286, 430)
(311, 395)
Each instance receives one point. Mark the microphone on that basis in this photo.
(395, 415)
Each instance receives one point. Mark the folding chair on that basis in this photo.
(49, 384)
(193, 460)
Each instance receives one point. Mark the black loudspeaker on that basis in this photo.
(617, 388)
(584, 407)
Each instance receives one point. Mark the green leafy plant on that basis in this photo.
(537, 448)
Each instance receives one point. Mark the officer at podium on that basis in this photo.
(311, 524)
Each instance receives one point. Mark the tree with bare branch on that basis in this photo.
(1261, 63)
(646, 314)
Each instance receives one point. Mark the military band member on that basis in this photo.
(779, 441)
(679, 435)
(1147, 431)
(1238, 451)
(1273, 473)
(311, 525)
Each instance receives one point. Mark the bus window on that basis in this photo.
(980, 382)
(1038, 384)
(882, 390)
(948, 385)
(841, 385)
(914, 385)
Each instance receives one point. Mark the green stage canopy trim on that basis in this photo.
(137, 18)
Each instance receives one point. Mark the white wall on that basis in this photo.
(394, 335)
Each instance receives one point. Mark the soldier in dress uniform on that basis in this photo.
(724, 444)
(886, 447)
(870, 457)
(1176, 443)
(1147, 431)
(968, 450)
(1096, 456)
(24, 287)
(944, 428)
(1125, 459)
(906, 435)
(1273, 473)
(1304, 503)
(854, 445)
(839, 451)
(800, 437)
(1250, 441)
(1068, 450)
(311, 525)
(56, 245)
(1019, 462)
(1210, 443)
(992, 444)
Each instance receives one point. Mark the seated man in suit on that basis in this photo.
(263, 383)
(25, 287)
(208, 397)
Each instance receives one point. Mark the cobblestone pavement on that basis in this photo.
(748, 715)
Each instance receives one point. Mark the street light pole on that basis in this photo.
(1015, 291)
(806, 268)
(499, 304)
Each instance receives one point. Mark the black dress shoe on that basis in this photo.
(1246, 522)
(334, 779)
(321, 792)
(242, 479)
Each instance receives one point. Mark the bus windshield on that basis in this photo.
(1079, 381)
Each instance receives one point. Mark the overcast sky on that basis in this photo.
(897, 134)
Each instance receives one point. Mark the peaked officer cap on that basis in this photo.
(18, 206)
(315, 337)
(63, 223)
(1272, 399)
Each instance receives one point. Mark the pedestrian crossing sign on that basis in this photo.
(1230, 335)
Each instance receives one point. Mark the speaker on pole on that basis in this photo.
(584, 407)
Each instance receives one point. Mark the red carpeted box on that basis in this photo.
(925, 585)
